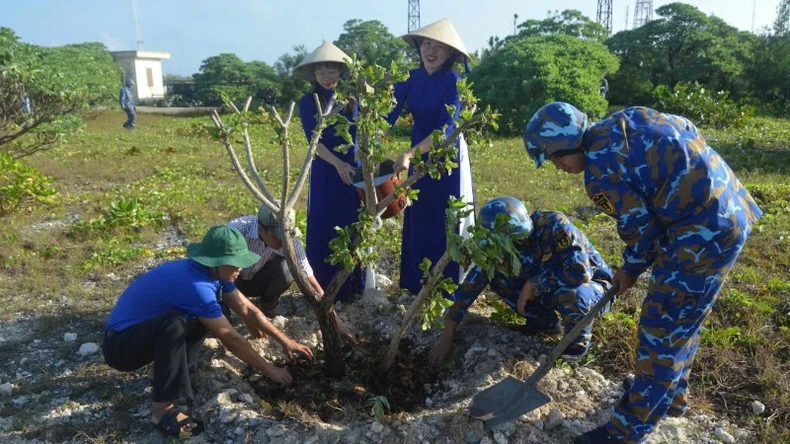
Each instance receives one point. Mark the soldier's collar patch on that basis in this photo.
(545, 257)
(603, 201)
(562, 239)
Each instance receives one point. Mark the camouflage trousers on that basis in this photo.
(684, 284)
(571, 304)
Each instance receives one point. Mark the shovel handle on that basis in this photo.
(569, 337)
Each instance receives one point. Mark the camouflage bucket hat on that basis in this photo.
(555, 129)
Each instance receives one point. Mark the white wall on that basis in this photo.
(148, 88)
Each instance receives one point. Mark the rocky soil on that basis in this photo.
(53, 379)
(54, 386)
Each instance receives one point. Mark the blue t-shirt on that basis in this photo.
(182, 285)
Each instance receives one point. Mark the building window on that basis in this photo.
(149, 73)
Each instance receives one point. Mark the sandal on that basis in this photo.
(171, 426)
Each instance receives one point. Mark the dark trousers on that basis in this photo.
(131, 116)
(168, 340)
(268, 284)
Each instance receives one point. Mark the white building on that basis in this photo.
(145, 68)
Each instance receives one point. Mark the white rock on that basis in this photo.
(486, 440)
(383, 281)
(279, 322)
(88, 348)
(428, 402)
(277, 430)
(554, 419)
(69, 337)
(758, 407)
(377, 427)
(538, 424)
(499, 438)
(723, 436)
(247, 398)
(311, 440)
(6, 424)
(2, 339)
(20, 401)
(6, 389)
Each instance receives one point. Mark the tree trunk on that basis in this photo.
(436, 273)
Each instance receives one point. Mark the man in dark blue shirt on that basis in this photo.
(164, 315)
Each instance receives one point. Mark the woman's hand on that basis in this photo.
(403, 162)
(345, 171)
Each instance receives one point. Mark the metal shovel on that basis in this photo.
(511, 398)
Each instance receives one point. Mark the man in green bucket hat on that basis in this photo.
(164, 315)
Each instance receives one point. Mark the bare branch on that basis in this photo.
(247, 104)
(237, 165)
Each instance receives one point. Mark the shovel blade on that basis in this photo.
(505, 401)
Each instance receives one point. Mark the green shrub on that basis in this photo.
(21, 185)
(702, 106)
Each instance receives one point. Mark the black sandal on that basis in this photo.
(171, 426)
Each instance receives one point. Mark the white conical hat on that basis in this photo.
(327, 52)
(442, 31)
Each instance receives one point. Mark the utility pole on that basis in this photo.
(414, 15)
(643, 12)
(604, 15)
(515, 18)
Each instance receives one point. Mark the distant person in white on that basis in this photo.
(268, 279)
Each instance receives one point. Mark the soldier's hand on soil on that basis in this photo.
(626, 280)
(524, 296)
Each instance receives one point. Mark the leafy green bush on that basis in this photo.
(21, 185)
(122, 213)
(527, 73)
(702, 106)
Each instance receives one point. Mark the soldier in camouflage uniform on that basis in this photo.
(680, 209)
(560, 272)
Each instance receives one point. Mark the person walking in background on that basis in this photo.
(680, 210)
(427, 93)
(126, 99)
(332, 199)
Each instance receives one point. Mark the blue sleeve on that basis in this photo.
(636, 224)
(207, 305)
(475, 282)
(400, 101)
(450, 97)
(228, 287)
(307, 113)
(573, 267)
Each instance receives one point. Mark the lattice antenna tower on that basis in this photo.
(643, 12)
(604, 15)
(782, 24)
(627, 16)
(414, 15)
(137, 29)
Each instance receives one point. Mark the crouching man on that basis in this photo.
(561, 272)
(164, 315)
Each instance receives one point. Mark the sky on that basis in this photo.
(193, 30)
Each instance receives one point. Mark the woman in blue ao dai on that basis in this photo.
(427, 93)
(332, 199)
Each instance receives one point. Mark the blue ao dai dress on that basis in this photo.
(330, 202)
(424, 221)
